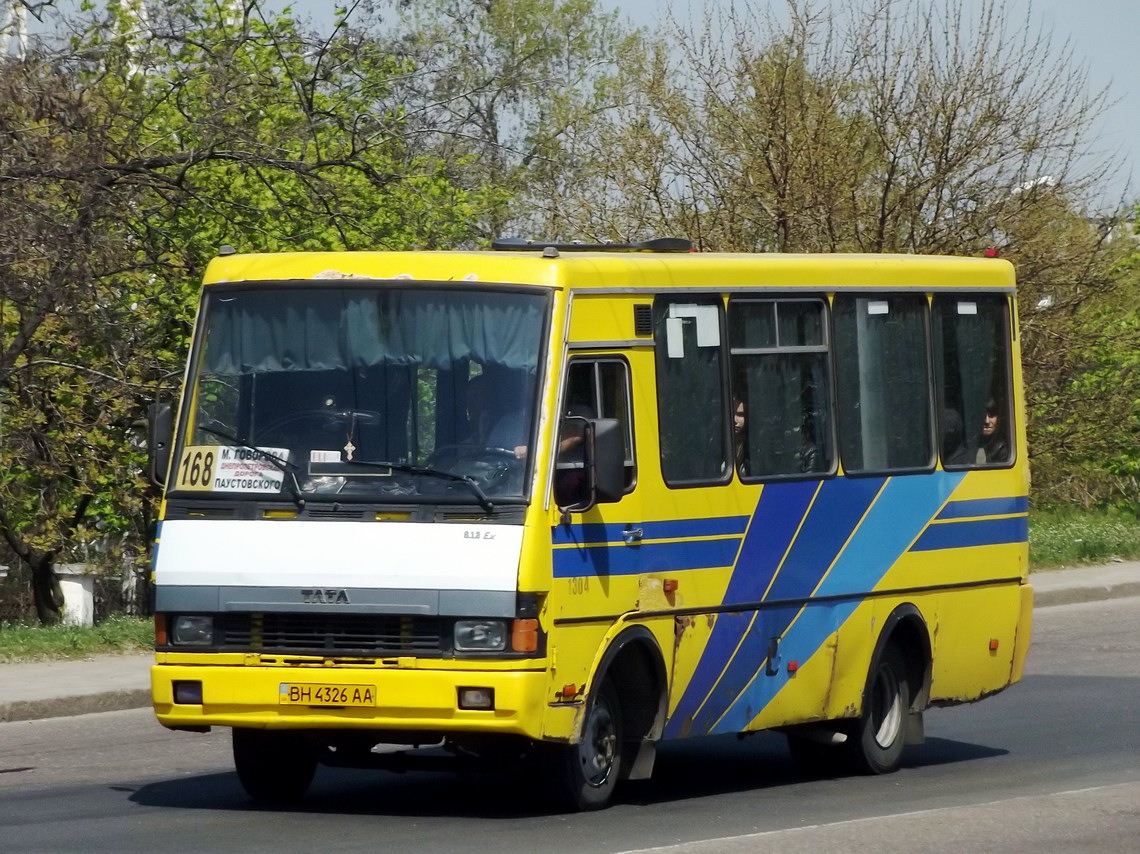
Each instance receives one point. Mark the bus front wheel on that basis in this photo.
(273, 767)
(584, 775)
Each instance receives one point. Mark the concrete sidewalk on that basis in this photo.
(1085, 583)
(49, 689)
(33, 690)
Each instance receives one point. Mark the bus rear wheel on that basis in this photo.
(877, 738)
(273, 767)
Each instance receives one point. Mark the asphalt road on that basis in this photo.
(1051, 765)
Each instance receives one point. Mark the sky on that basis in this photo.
(1104, 35)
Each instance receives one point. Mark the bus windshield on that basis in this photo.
(369, 393)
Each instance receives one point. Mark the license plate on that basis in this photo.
(318, 694)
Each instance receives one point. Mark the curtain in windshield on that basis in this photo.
(305, 330)
(334, 379)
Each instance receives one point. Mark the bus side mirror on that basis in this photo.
(605, 457)
(160, 434)
(600, 476)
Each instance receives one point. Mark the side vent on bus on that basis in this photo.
(643, 320)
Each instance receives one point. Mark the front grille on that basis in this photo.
(336, 513)
(200, 510)
(325, 634)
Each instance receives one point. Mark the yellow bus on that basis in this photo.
(560, 503)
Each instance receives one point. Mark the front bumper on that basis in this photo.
(406, 700)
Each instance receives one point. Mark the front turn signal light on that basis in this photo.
(524, 635)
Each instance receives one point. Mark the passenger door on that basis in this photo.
(597, 550)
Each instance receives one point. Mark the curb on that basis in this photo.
(1093, 593)
(83, 704)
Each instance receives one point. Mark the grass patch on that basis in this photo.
(1069, 538)
(23, 641)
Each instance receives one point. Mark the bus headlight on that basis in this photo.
(480, 635)
(193, 630)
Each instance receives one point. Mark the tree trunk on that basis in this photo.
(46, 593)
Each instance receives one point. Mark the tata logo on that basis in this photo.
(324, 597)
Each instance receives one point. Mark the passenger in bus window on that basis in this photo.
(739, 425)
(993, 446)
(809, 456)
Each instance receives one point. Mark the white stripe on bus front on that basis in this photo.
(392, 555)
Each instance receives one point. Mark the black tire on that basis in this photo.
(877, 738)
(273, 767)
(584, 775)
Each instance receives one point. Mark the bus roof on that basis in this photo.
(609, 271)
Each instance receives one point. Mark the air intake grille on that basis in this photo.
(643, 320)
(333, 513)
(324, 634)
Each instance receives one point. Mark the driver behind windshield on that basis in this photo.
(495, 411)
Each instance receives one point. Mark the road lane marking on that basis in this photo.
(718, 844)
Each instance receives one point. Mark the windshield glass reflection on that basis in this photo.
(364, 393)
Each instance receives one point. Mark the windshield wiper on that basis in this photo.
(287, 468)
(477, 490)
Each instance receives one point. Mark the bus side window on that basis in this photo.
(692, 412)
(972, 369)
(883, 382)
(780, 387)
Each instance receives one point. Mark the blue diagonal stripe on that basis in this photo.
(778, 514)
(901, 512)
(836, 512)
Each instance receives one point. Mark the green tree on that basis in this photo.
(1083, 352)
(892, 126)
(509, 93)
(131, 154)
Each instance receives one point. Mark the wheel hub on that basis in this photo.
(598, 747)
(886, 709)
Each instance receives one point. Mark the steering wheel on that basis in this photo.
(328, 417)
(470, 451)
